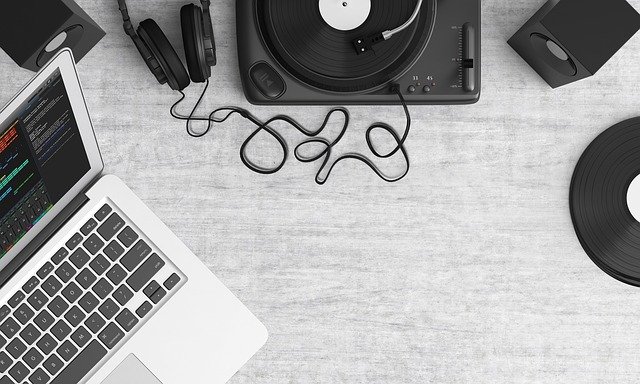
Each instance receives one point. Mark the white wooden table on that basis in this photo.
(466, 271)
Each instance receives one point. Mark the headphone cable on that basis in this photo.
(312, 137)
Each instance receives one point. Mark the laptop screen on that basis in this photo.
(42, 157)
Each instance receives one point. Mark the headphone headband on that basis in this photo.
(128, 26)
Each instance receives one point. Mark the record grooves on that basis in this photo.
(607, 230)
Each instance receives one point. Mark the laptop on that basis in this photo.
(95, 288)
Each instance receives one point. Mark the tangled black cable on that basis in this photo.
(313, 137)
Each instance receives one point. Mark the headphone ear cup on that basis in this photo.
(150, 59)
(155, 39)
(193, 38)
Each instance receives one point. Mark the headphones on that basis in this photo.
(161, 57)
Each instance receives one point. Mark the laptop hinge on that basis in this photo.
(36, 244)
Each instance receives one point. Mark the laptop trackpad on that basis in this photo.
(131, 371)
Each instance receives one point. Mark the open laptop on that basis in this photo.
(95, 288)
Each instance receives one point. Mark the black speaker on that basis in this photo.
(568, 40)
(32, 31)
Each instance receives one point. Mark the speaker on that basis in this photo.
(569, 40)
(32, 31)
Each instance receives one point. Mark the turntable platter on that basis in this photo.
(323, 57)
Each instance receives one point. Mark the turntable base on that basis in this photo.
(298, 52)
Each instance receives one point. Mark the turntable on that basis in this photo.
(335, 51)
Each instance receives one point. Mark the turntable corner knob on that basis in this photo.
(267, 80)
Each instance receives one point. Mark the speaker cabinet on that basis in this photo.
(568, 40)
(32, 31)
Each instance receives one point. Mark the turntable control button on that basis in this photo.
(267, 80)
(411, 89)
(426, 89)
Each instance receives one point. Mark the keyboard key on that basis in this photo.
(53, 365)
(74, 316)
(85, 278)
(88, 227)
(65, 272)
(16, 348)
(158, 295)
(46, 344)
(172, 281)
(59, 256)
(58, 306)
(19, 372)
(108, 309)
(23, 314)
(151, 288)
(113, 250)
(10, 327)
(51, 286)
(38, 299)
(79, 258)
(127, 320)
(127, 237)
(111, 226)
(32, 358)
(30, 285)
(81, 336)
(136, 255)
(71, 292)
(3, 341)
(67, 350)
(116, 274)
(147, 270)
(4, 312)
(122, 295)
(95, 322)
(74, 241)
(30, 334)
(93, 244)
(82, 364)
(111, 335)
(102, 288)
(6, 380)
(39, 377)
(5, 362)
(103, 212)
(88, 302)
(16, 299)
(60, 330)
(144, 309)
(44, 320)
(100, 264)
(45, 270)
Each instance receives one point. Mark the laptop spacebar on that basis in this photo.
(82, 364)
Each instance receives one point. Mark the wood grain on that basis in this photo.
(466, 271)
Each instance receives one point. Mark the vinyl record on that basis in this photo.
(324, 57)
(607, 230)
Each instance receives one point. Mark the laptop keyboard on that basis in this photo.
(83, 302)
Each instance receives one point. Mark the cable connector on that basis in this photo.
(365, 44)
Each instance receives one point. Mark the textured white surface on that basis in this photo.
(467, 271)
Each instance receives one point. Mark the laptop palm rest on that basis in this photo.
(131, 371)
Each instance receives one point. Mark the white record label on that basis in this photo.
(633, 198)
(345, 15)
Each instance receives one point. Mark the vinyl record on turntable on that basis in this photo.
(605, 201)
(312, 41)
